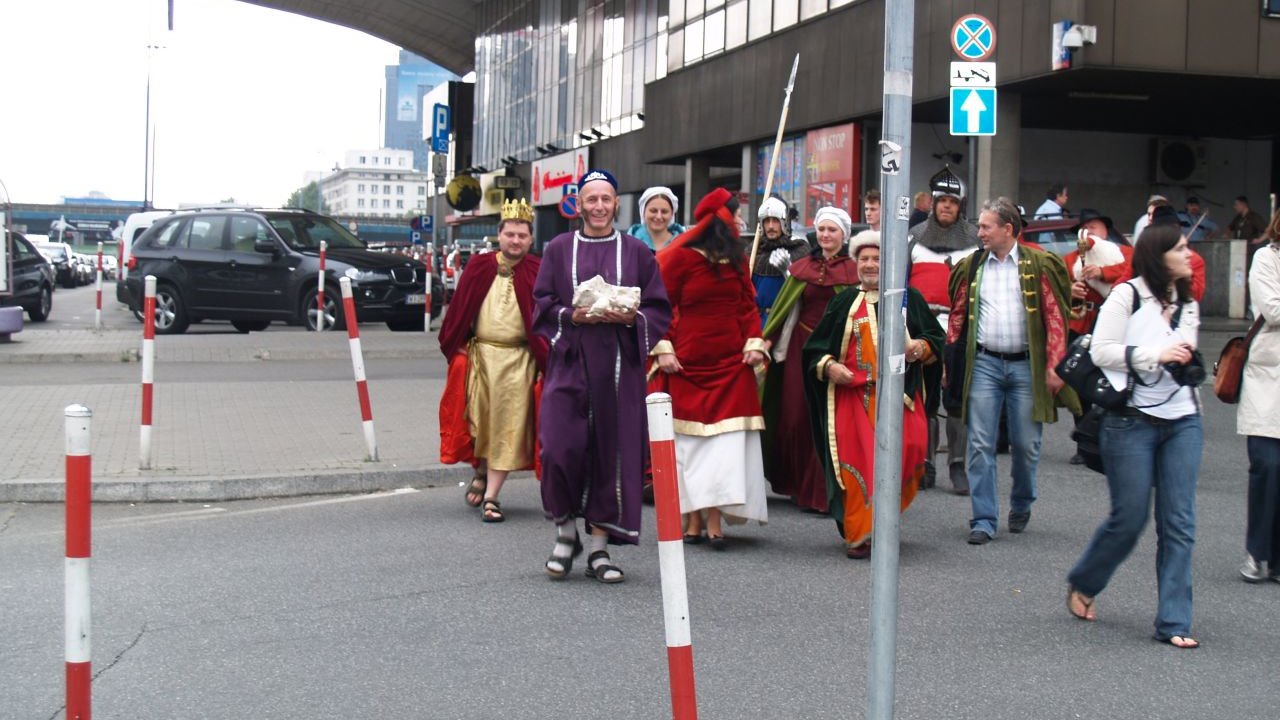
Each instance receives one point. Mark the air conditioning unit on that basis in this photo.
(1181, 162)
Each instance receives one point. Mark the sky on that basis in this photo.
(244, 100)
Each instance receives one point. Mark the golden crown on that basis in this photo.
(517, 210)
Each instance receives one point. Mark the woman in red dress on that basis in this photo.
(706, 362)
(791, 462)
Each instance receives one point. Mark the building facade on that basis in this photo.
(377, 184)
(406, 82)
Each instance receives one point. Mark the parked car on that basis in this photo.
(62, 258)
(109, 266)
(86, 268)
(32, 280)
(253, 267)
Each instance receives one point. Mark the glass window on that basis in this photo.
(422, 190)
(399, 189)
(204, 233)
(400, 204)
(373, 189)
(677, 12)
(693, 42)
(759, 19)
(812, 8)
(675, 50)
(693, 9)
(838, 3)
(245, 231)
(735, 24)
(359, 204)
(360, 187)
(713, 4)
(401, 162)
(386, 189)
(715, 33)
(785, 13)
(362, 161)
(386, 204)
(387, 160)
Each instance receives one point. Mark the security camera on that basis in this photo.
(1077, 36)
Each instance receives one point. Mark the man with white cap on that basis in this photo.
(776, 253)
(841, 362)
(592, 419)
(933, 248)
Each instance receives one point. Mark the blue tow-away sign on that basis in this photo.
(973, 111)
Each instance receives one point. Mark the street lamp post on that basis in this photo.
(146, 144)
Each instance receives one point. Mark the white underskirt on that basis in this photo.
(724, 471)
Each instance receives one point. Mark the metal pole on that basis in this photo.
(895, 188)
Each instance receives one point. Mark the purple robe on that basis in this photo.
(592, 421)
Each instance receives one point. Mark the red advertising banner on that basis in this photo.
(832, 162)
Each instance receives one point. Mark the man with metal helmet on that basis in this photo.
(934, 246)
(776, 253)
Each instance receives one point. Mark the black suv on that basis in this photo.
(255, 266)
(32, 280)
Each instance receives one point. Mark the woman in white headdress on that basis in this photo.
(657, 226)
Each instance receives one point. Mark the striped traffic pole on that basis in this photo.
(426, 323)
(148, 367)
(97, 314)
(76, 566)
(324, 247)
(675, 596)
(357, 364)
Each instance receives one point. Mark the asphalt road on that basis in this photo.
(405, 605)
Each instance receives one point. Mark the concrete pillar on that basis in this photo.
(748, 181)
(697, 183)
(1000, 156)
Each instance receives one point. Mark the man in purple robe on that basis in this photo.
(592, 421)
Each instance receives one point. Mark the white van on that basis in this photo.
(135, 225)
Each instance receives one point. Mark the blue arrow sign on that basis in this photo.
(973, 111)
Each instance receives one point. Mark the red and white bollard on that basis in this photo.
(148, 368)
(426, 322)
(324, 248)
(675, 595)
(76, 566)
(97, 314)
(357, 364)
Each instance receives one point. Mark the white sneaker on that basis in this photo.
(1251, 570)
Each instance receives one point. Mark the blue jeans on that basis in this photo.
(1140, 456)
(1262, 534)
(995, 385)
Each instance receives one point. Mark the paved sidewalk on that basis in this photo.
(225, 440)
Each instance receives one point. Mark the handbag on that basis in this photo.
(1088, 380)
(1087, 434)
(1228, 372)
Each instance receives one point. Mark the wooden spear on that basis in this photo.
(773, 161)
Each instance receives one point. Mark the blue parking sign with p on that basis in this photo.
(440, 122)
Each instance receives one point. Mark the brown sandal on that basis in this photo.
(475, 489)
(1077, 600)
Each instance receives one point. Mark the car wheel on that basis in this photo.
(334, 318)
(171, 315)
(247, 326)
(40, 311)
(411, 325)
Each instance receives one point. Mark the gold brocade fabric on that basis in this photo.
(500, 381)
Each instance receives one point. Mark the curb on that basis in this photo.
(252, 487)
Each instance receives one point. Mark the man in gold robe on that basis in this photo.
(487, 412)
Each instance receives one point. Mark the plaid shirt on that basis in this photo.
(1002, 318)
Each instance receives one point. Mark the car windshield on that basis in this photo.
(304, 232)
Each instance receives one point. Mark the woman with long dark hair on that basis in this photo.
(706, 362)
(1147, 331)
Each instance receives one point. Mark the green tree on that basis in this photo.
(308, 197)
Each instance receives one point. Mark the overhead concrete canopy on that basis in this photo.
(442, 31)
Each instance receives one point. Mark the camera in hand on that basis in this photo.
(1192, 374)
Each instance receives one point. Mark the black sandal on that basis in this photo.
(491, 511)
(566, 564)
(599, 573)
(476, 488)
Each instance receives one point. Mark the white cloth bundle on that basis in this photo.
(598, 296)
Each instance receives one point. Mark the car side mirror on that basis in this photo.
(265, 245)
